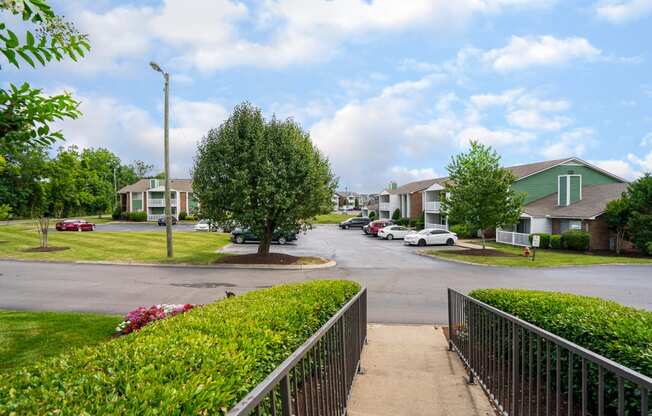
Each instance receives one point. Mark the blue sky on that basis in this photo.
(389, 90)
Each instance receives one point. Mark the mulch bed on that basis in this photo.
(44, 249)
(271, 258)
(482, 253)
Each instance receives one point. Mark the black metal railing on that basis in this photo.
(316, 379)
(526, 370)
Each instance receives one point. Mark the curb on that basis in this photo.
(500, 266)
(330, 263)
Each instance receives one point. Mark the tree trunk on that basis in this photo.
(619, 240)
(483, 239)
(266, 240)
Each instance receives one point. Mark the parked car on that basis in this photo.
(393, 231)
(375, 226)
(74, 225)
(161, 221)
(355, 222)
(365, 229)
(205, 225)
(431, 236)
(242, 235)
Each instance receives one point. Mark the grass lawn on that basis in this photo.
(332, 218)
(29, 336)
(134, 247)
(544, 258)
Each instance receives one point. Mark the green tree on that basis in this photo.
(265, 175)
(372, 215)
(396, 215)
(23, 172)
(141, 169)
(639, 225)
(617, 215)
(480, 191)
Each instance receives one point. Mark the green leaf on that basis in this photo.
(26, 57)
(13, 41)
(30, 39)
(11, 56)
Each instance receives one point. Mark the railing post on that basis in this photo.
(450, 321)
(286, 405)
(515, 355)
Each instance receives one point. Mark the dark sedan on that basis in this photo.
(161, 221)
(242, 235)
(355, 222)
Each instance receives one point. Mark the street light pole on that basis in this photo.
(166, 140)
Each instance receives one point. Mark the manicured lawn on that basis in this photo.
(26, 337)
(128, 247)
(544, 258)
(332, 218)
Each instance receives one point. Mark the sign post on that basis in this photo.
(536, 241)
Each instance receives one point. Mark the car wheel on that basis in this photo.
(346, 227)
(282, 241)
(422, 242)
(390, 237)
(450, 242)
(240, 239)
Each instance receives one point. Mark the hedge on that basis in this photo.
(200, 362)
(138, 216)
(183, 215)
(555, 241)
(576, 240)
(462, 230)
(618, 332)
(544, 239)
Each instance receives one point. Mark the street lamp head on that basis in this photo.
(155, 67)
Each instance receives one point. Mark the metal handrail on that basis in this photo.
(492, 345)
(332, 356)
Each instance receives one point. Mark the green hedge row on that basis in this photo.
(618, 332)
(200, 362)
(571, 240)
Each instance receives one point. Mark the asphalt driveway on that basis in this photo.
(403, 287)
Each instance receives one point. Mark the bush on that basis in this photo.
(138, 216)
(620, 333)
(117, 213)
(396, 215)
(555, 241)
(124, 215)
(372, 215)
(418, 223)
(576, 240)
(402, 221)
(462, 230)
(183, 215)
(199, 362)
(139, 317)
(544, 239)
(649, 248)
(190, 218)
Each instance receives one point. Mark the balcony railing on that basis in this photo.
(526, 370)
(316, 379)
(384, 206)
(160, 202)
(432, 206)
(513, 238)
(438, 226)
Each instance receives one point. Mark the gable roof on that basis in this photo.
(417, 186)
(523, 171)
(593, 203)
(184, 185)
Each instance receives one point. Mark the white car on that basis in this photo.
(204, 225)
(430, 236)
(393, 231)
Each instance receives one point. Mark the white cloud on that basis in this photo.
(132, 133)
(620, 11)
(525, 52)
(618, 167)
(498, 137)
(570, 143)
(402, 174)
(534, 120)
(644, 163)
(646, 140)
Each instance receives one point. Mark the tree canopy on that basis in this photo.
(639, 225)
(264, 175)
(480, 193)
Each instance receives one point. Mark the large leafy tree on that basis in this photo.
(480, 192)
(265, 175)
(617, 215)
(639, 226)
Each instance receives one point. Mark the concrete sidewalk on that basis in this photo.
(408, 370)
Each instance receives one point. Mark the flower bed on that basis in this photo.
(142, 316)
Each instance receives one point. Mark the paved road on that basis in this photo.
(403, 287)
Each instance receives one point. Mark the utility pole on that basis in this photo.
(166, 140)
(115, 192)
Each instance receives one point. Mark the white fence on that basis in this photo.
(432, 206)
(515, 239)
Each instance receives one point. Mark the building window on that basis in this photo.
(569, 189)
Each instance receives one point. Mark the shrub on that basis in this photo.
(199, 362)
(418, 223)
(462, 230)
(372, 215)
(190, 218)
(183, 215)
(555, 241)
(544, 239)
(618, 332)
(576, 240)
(402, 221)
(139, 317)
(138, 216)
(396, 215)
(649, 248)
(117, 213)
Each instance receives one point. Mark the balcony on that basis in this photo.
(437, 226)
(160, 202)
(383, 206)
(432, 206)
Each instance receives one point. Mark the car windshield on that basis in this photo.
(424, 232)
(203, 222)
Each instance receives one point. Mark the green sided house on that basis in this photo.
(149, 195)
(562, 195)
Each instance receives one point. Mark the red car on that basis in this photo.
(75, 225)
(374, 226)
